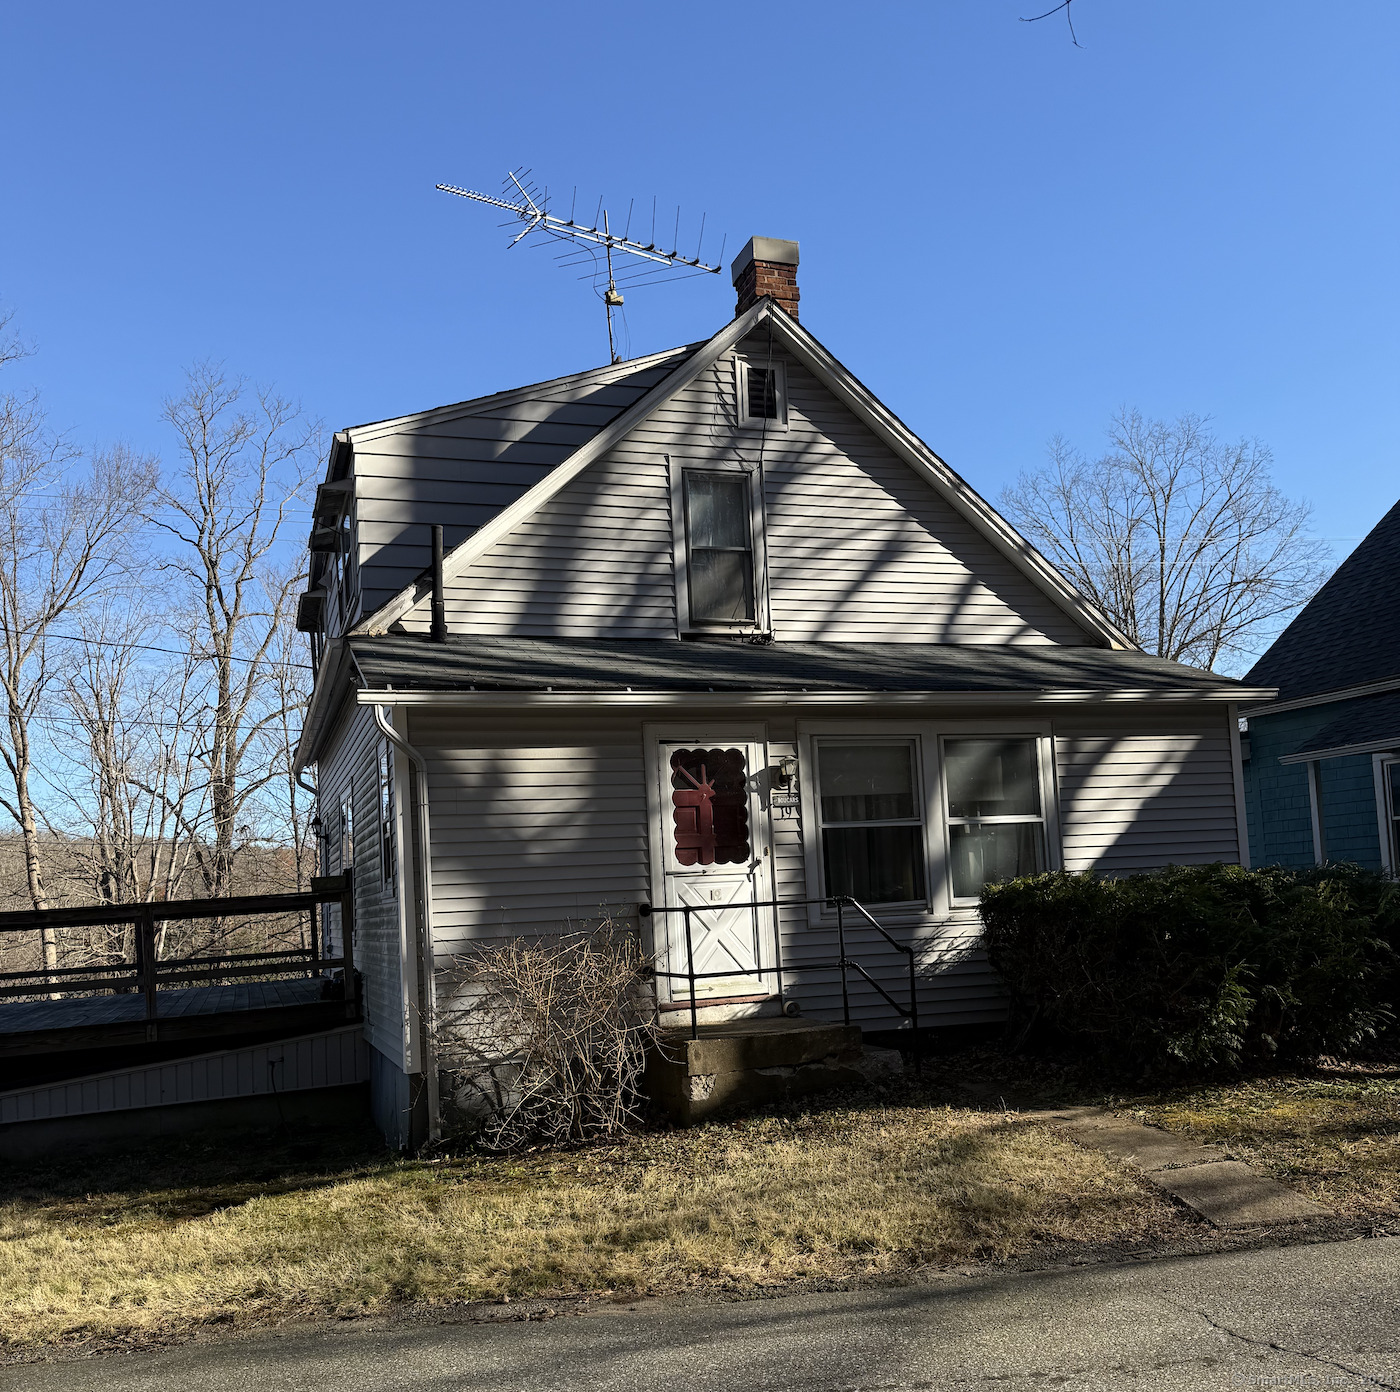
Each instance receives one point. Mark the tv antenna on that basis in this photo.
(583, 242)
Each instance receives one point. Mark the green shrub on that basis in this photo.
(1200, 968)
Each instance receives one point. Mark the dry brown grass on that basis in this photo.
(837, 1193)
(1334, 1135)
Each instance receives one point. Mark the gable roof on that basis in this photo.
(1349, 633)
(847, 389)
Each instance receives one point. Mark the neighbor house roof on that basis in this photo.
(393, 665)
(1371, 723)
(1349, 634)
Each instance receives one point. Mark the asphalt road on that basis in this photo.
(1310, 1317)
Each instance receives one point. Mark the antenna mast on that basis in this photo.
(584, 241)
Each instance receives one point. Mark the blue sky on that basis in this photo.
(1003, 235)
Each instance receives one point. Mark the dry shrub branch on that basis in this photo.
(545, 1042)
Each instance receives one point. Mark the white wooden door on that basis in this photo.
(716, 863)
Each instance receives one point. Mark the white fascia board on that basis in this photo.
(1379, 746)
(321, 708)
(945, 481)
(477, 700)
(1345, 693)
(504, 522)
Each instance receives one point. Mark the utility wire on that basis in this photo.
(169, 652)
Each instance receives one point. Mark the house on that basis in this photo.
(1322, 776)
(714, 632)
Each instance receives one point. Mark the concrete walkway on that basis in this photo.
(1227, 1193)
(1324, 1316)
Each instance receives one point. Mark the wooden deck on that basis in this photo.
(86, 1022)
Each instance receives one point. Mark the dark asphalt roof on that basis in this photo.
(1349, 634)
(1365, 722)
(407, 662)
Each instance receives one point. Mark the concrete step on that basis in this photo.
(755, 1062)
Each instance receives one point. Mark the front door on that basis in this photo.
(716, 864)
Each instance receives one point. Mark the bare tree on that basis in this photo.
(1182, 539)
(63, 541)
(245, 455)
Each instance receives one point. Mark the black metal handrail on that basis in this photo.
(843, 963)
(147, 972)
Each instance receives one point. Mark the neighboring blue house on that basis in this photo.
(1322, 762)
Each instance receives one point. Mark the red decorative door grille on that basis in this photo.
(710, 802)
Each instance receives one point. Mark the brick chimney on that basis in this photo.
(766, 266)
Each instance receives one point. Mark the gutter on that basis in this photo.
(427, 981)
(1322, 698)
(708, 699)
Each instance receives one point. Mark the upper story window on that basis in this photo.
(996, 816)
(762, 391)
(871, 815)
(719, 548)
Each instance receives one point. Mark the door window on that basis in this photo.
(871, 826)
(996, 824)
(710, 807)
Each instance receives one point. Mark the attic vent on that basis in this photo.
(761, 391)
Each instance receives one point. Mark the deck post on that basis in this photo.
(146, 955)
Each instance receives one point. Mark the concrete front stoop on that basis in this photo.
(750, 1063)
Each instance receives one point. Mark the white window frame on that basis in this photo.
(1387, 814)
(387, 814)
(937, 870)
(742, 364)
(680, 542)
(345, 830)
(914, 743)
(1043, 755)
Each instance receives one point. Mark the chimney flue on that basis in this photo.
(438, 626)
(767, 267)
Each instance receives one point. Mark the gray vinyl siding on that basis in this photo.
(461, 469)
(533, 828)
(859, 549)
(350, 761)
(1137, 793)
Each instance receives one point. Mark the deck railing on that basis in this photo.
(148, 973)
(844, 905)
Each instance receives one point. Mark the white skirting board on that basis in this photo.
(330, 1059)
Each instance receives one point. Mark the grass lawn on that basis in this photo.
(1333, 1134)
(162, 1241)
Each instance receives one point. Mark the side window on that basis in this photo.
(872, 832)
(1392, 807)
(719, 548)
(388, 849)
(996, 821)
(347, 829)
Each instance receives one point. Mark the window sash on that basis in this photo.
(915, 874)
(1039, 847)
(712, 583)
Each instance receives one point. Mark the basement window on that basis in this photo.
(762, 390)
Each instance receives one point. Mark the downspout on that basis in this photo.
(427, 986)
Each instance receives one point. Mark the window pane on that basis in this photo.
(721, 586)
(876, 865)
(866, 782)
(763, 394)
(988, 854)
(991, 778)
(710, 801)
(717, 510)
